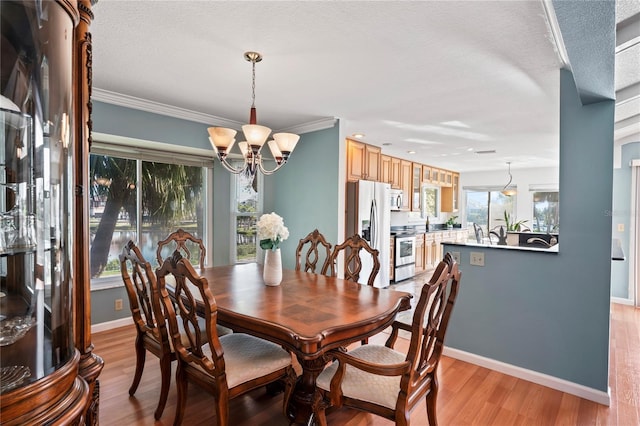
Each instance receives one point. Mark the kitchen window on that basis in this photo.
(546, 214)
(486, 207)
(141, 195)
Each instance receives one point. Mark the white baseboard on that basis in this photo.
(622, 301)
(109, 325)
(562, 385)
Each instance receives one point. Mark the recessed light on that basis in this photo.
(411, 152)
(469, 149)
(358, 135)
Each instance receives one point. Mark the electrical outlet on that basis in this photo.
(118, 305)
(476, 258)
(621, 227)
(456, 256)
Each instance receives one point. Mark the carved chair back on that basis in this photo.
(394, 384)
(312, 256)
(148, 316)
(352, 248)
(430, 321)
(189, 288)
(144, 300)
(186, 243)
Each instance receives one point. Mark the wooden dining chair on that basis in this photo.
(388, 383)
(225, 366)
(352, 247)
(314, 239)
(144, 301)
(183, 241)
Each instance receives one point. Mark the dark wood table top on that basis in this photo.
(307, 313)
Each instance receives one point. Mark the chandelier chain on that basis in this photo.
(253, 84)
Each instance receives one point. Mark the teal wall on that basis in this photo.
(550, 312)
(305, 192)
(309, 183)
(133, 123)
(621, 214)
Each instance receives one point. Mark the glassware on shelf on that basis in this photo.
(24, 236)
(14, 329)
(7, 232)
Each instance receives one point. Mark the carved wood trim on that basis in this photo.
(90, 364)
(61, 395)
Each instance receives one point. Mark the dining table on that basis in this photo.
(308, 314)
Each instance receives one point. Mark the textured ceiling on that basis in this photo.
(444, 79)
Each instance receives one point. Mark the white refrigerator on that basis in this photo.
(369, 215)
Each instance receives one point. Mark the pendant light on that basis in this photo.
(509, 191)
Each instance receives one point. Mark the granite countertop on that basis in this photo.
(552, 249)
(421, 229)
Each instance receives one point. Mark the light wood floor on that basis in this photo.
(469, 395)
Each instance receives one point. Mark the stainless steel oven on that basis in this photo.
(405, 257)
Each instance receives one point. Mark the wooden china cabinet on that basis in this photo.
(49, 373)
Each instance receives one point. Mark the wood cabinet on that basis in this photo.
(392, 256)
(363, 161)
(390, 171)
(385, 168)
(416, 183)
(406, 174)
(426, 174)
(366, 162)
(435, 175)
(420, 254)
(396, 181)
(45, 279)
(449, 200)
(446, 177)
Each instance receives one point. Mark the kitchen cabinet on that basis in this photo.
(426, 174)
(406, 175)
(363, 161)
(420, 253)
(390, 170)
(392, 256)
(49, 373)
(445, 177)
(416, 180)
(435, 175)
(449, 200)
(395, 173)
(385, 168)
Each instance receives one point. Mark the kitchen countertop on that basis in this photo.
(421, 229)
(553, 249)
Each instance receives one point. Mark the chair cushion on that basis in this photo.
(247, 357)
(358, 384)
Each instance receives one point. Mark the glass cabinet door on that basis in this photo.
(36, 191)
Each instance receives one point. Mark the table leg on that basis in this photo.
(306, 399)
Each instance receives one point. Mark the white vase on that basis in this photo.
(272, 271)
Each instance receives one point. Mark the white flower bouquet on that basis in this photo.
(271, 231)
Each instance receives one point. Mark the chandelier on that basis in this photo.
(222, 138)
(509, 191)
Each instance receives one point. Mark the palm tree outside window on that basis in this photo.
(143, 201)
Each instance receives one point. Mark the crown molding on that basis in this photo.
(127, 101)
(556, 34)
(120, 99)
(312, 126)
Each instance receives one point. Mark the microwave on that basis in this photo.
(396, 199)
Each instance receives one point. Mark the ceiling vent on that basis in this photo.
(488, 151)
